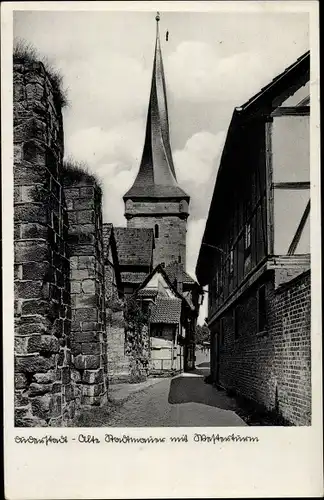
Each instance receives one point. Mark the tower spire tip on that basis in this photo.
(157, 17)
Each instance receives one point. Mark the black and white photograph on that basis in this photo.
(162, 218)
(146, 186)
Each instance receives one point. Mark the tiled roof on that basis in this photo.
(175, 270)
(147, 292)
(166, 311)
(131, 277)
(134, 246)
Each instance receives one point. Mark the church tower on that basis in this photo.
(155, 200)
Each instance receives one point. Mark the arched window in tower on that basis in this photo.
(179, 259)
(156, 231)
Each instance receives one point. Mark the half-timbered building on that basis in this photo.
(257, 243)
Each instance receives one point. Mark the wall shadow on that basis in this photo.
(192, 389)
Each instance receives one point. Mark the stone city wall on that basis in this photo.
(88, 335)
(43, 391)
(60, 334)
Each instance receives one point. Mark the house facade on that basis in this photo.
(255, 252)
(172, 321)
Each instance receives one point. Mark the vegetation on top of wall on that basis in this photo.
(25, 53)
(77, 171)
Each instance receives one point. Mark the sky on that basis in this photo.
(213, 62)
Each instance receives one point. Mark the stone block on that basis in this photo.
(30, 212)
(21, 345)
(33, 363)
(91, 400)
(36, 389)
(66, 375)
(71, 193)
(86, 336)
(21, 398)
(85, 301)
(74, 262)
(26, 251)
(35, 270)
(84, 204)
(90, 348)
(45, 378)
(68, 393)
(87, 362)
(41, 405)
(44, 344)
(87, 262)
(75, 376)
(79, 274)
(57, 387)
(32, 306)
(88, 314)
(93, 376)
(21, 381)
(28, 289)
(92, 390)
(58, 327)
(81, 249)
(33, 230)
(89, 286)
(90, 326)
(75, 286)
(86, 217)
(31, 327)
(24, 175)
(55, 405)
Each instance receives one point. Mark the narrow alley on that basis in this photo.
(182, 401)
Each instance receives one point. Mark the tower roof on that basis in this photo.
(156, 177)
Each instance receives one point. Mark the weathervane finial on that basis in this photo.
(157, 17)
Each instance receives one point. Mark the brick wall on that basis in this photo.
(43, 392)
(88, 335)
(272, 368)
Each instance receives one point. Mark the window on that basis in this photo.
(247, 237)
(262, 310)
(179, 259)
(231, 261)
(156, 231)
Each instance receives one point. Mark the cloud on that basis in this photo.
(114, 155)
(197, 166)
(198, 72)
(106, 93)
(196, 160)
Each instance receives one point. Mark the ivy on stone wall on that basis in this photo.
(136, 339)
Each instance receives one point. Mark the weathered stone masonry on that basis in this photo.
(60, 332)
(43, 392)
(88, 335)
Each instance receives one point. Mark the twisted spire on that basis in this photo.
(156, 176)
